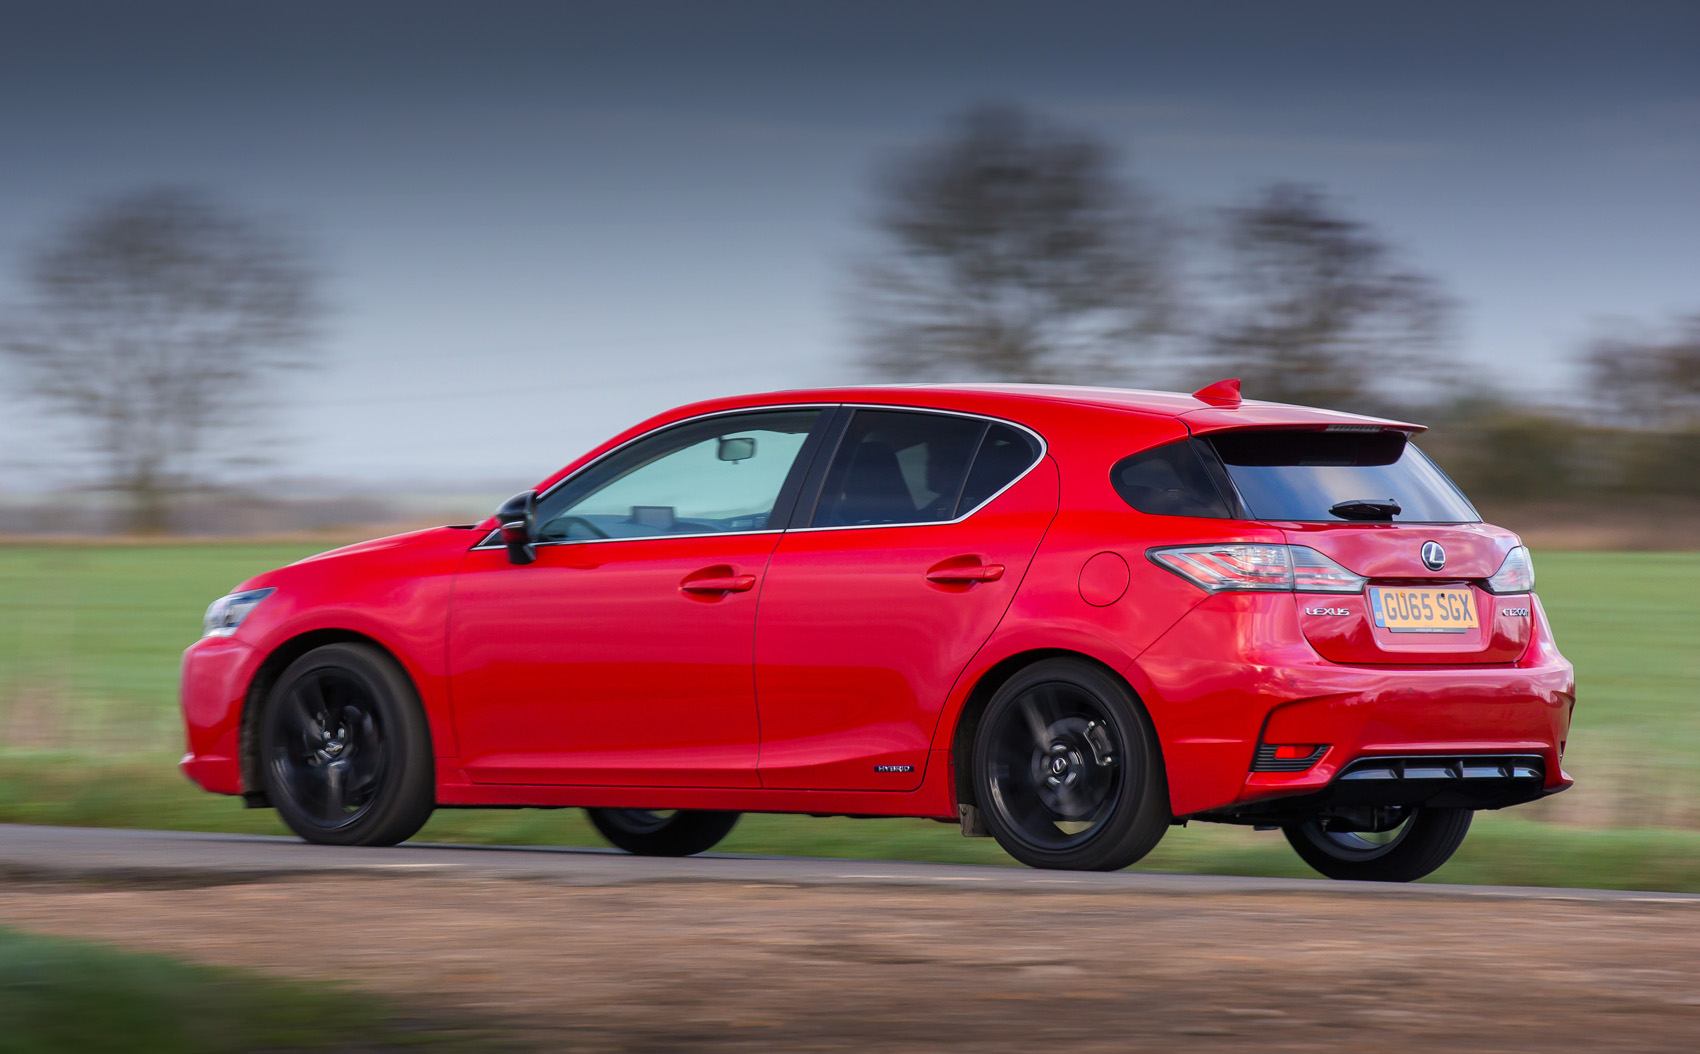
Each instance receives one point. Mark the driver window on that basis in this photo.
(713, 476)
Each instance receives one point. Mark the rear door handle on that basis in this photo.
(975, 573)
(719, 584)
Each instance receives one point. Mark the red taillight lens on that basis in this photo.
(1243, 567)
(1294, 751)
(1230, 567)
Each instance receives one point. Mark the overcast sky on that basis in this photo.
(541, 222)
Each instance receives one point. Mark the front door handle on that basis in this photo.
(719, 584)
(973, 573)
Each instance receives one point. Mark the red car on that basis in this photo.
(1066, 617)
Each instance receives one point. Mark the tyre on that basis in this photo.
(1067, 771)
(1423, 840)
(345, 754)
(649, 832)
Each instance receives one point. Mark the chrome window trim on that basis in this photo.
(1044, 449)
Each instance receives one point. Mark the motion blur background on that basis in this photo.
(275, 277)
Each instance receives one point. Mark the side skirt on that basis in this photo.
(934, 799)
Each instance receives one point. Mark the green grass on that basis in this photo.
(89, 640)
(67, 996)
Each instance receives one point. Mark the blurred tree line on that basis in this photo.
(157, 324)
(1012, 249)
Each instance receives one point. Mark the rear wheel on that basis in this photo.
(651, 832)
(1421, 841)
(1067, 771)
(345, 755)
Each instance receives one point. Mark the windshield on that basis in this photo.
(1300, 475)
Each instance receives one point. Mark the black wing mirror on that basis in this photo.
(517, 520)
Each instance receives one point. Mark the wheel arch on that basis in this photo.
(266, 676)
(999, 673)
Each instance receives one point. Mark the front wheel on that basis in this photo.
(345, 754)
(1421, 841)
(649, 832)
(1067, 771)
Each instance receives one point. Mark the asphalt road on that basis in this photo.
(188, 858)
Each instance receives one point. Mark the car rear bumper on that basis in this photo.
(215, 678)
(1212, 715)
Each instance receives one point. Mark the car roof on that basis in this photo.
(1198, 415)
(1016, 402)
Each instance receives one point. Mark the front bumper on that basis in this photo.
(215, 678)
(1237, 672)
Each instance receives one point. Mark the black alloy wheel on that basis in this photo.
(1066, 769)
(1417, 843)
(345, 754)
(659, 832)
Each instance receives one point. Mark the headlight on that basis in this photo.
(1515, 575)
(227, 612)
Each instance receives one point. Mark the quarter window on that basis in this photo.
(1170, 480)
(711, 476)
(899, 466)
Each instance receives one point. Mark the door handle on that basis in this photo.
(719, 584)
(975, 573)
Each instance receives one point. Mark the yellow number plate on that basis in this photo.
(1450, 610)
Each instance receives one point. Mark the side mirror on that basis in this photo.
(517, 520)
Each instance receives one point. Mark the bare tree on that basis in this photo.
(1649, 381)
(1315, 309)
(153, 321)
(1011, 251)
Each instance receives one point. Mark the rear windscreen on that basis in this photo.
(1299, 475)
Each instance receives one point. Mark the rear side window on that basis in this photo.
(896, 466)
(1005, 453)
(903, 466)
(1170, 480)
(1304, 475)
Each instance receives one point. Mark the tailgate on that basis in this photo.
(1408, 612)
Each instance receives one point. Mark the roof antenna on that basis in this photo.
(1222, 393)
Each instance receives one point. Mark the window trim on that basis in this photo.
(833, 423)
(811, 447)
(813, 494)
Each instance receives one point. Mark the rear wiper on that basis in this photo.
(1366, 509)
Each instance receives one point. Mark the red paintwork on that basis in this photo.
(1389, 553)
(857, 648)
(774, 671)
(595, 666)
(1222, 393)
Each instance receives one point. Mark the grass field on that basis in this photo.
(70, 997)
(90, 636)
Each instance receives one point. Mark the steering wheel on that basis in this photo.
(568, 521)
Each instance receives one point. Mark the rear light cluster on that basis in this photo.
(1515, 575)
(1242, 567)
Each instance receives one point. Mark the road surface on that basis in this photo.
(194, 858)
(598, 951)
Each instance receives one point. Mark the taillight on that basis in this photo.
(1247, 567)
(1315, 573)
(1515, 575)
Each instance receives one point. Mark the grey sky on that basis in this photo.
(542, 222)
